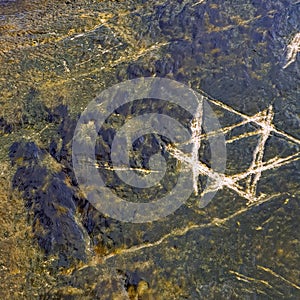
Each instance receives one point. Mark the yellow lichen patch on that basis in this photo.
(7, 27)
(141, 291)
(280, 252)
(20, 257)
(100, 249)
(61, 210)
(237, 19)
(214, 5)
(70, 291)
(51, 164)
(68, 181)
(171, 290)
(38, 228)
(215, 50)
(254, 75)
(132, 294)
(142, 288)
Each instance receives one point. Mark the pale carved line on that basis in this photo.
(196, 128)
(259, 152)
(292, 50)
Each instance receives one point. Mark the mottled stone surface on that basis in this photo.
(56, 56)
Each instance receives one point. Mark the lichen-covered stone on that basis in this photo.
(56, 56)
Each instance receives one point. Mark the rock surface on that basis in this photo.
(57, 56)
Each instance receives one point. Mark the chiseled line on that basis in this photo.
(242, 136)
(227, 129)
(197, 3)
(248, 279)
(222, 180)
(223, 130)
(255, 119)
(290, 137)
(196, 128)
(259, 152)
(127, 169)
(268, 166)
(293, 48)
(228, 108)
(175, 233)
(278, 276)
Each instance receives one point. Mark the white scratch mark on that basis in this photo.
(196, 128)
(197, 3)
(292, 49)
(66, 66)
(259, 151)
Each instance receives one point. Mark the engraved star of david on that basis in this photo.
(264, 122)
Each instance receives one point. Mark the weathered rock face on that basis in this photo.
(53, 202)
(57, 56)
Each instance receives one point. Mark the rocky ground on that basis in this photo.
(56, 57)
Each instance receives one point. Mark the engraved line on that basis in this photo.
(255, 119)
(259, 153)
(242, 136)
(292, 50)
(176, 233)
(248, 279)
(279, 276)
(230, 181)
(196, 128)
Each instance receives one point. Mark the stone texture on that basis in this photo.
(57, 56)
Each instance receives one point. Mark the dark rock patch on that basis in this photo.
(53, 203)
